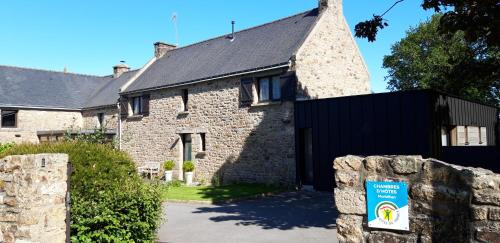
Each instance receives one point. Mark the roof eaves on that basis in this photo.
(206, 79)
(98, 107)
(10, 106)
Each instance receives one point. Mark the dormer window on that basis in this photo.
(269, 89)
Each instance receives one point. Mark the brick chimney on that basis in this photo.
(119, 69)
(335, 5)
(161, 48)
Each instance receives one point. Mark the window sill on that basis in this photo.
(266, 103)
(135, 117)
(201, 154)
(10, 129)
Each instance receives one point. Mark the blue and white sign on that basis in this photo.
(387, 204)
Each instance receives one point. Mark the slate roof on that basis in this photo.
(27, 87)
(264, 46)
(107, 94)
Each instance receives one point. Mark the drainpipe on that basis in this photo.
(119, 117)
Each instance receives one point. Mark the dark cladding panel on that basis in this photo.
(391, 123)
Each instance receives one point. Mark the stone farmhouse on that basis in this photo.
(226, 103)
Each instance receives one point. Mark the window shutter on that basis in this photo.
(246, 95)
(289, 86)
(124, 107)
(145, 105)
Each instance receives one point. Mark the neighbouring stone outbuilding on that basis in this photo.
(227, 103)
(41, 106)
(447, 203)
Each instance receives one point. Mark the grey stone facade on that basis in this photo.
(329, 63)
(250, 144)
(91, 120)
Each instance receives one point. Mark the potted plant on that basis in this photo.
(168, 166)
(188, 168)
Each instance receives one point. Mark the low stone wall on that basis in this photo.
(447, 203)
(33, 198)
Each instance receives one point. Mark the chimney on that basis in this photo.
(161, 48)
(119, 69)
(335, 5)
(232, 32)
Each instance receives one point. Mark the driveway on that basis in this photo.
(289, 217)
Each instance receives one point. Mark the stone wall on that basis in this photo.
(246, 144)
(447, 203)
(329, 63)
(33, 198)
(91, 121)
(31, 121)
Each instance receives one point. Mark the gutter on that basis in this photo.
(278, 66)
(39, 108)
(97, 107)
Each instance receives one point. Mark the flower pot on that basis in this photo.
(168, 175)
(189, 178)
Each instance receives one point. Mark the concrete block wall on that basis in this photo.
(447, 203)
(33, 198)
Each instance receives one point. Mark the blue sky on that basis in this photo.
(91, 36)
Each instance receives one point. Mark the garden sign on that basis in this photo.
(387, 204)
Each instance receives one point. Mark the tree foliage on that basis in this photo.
(478, 19)
(109, 201)
(427, 59)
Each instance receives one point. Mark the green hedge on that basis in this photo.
(5, 146)
(109, 201)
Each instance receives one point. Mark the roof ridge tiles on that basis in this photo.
(53, 71)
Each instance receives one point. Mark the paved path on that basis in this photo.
(290, 217)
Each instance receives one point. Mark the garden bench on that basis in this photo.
(150, 168)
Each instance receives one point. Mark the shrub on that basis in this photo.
(2, 185)
(109, 201)
(169, 165)
(4, 147)
(188, 166)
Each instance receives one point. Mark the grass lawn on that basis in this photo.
(217, 194)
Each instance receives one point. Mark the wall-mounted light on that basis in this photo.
(43, 163)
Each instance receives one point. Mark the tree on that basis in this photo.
(478, 19)
(427, 59)
(476, 23)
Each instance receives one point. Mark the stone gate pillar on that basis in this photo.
(33, 198)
